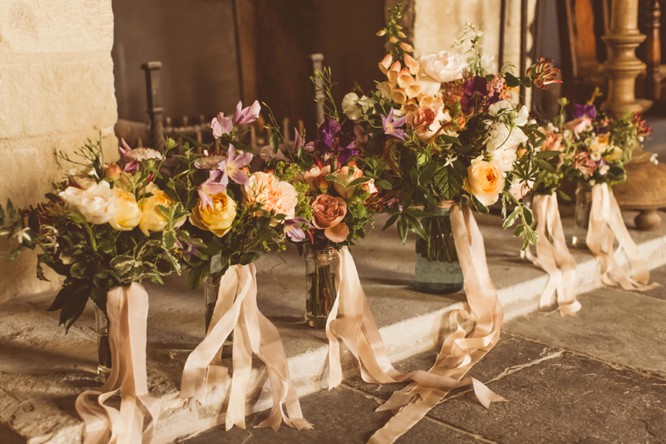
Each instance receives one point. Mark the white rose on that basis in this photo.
(429, 86)
(501, 135)
(350, 106)
(96, 203)
(504, 158)
(444, 66)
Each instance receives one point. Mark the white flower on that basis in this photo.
(350, 106)
(603, 169)
(444, 66)
(504, 158)
(141, 154)
(429, 86)
(22, 235)
(96, 203)
(501, 135)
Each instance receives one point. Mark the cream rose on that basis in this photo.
(444, 66)
(351, 107)
(152, 219)
(96, 202)
(128, 214)
(485, 181)
(217, 217)
(327, 214)
(272, 194)
(346, 175)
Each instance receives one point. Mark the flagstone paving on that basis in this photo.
(597, 378)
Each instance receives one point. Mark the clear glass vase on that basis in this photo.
(581, 215)
(103, 346)
(437, 269)
(211, 288)
(321, 265)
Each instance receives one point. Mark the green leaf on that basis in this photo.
(448, 182)
(169, 240)
(509, 221)
(216, 264)
(403, 228)
(384, 184)
(391, 220)
(427, 173)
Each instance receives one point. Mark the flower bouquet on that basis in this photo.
(336, 202)
(105, 228)
(444, 133)
(593, 149)
(235, 215)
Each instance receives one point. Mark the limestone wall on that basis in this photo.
(56, 90)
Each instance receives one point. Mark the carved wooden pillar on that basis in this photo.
(653, 49)
(645, 188)
(622, 66)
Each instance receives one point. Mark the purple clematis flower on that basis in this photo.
(234, 165)
(392, 125)
(247, 115)
(125, 150)
(216, 183)
(584, 110)
(294, 230)
(221, 125)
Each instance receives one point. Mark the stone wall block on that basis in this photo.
(34, 26)
(50, 97)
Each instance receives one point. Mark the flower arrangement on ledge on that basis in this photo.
(441, 128)
(104, 225)
(235, 214)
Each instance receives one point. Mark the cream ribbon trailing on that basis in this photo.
(552, 256)
(127, 309)
(606, 225)
(236, 309)
(351, 322)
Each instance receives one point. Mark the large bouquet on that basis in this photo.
(104, 225)
(442, 129)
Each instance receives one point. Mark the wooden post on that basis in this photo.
(622, 66)
(154, 99)
(653, 49)
(318, 64)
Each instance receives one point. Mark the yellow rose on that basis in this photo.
(484, 181)
(152, 218)
(217, 217)
(128, 213)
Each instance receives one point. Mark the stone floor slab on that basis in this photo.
(570, 399)
(342, 416)
(614, 325)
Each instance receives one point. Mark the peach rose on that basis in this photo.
(328, 213)
(346, 175)
(315, 177)
(369, 186)
(216, 218)
(485, 181)
(579, 125)
(272, 194)
(552, 142)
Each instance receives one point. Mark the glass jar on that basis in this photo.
(103, 346)
(437, 269)
(581, 215)
(321, 265)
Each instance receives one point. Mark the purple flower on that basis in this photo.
(584, 110)
(293, 228)
(391, 125)
(246, 115)
(234, 165)
(216, 183)
(125, 150)
(331, 142)
(474, 90)
(221, 125)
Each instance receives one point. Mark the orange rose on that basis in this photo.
(484, 181)
(328, 213)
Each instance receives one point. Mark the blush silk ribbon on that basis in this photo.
(352, 323)
(236, 309)
(606, 225)
(127, 309)
(552, 256)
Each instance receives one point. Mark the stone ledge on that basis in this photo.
(38, 398)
